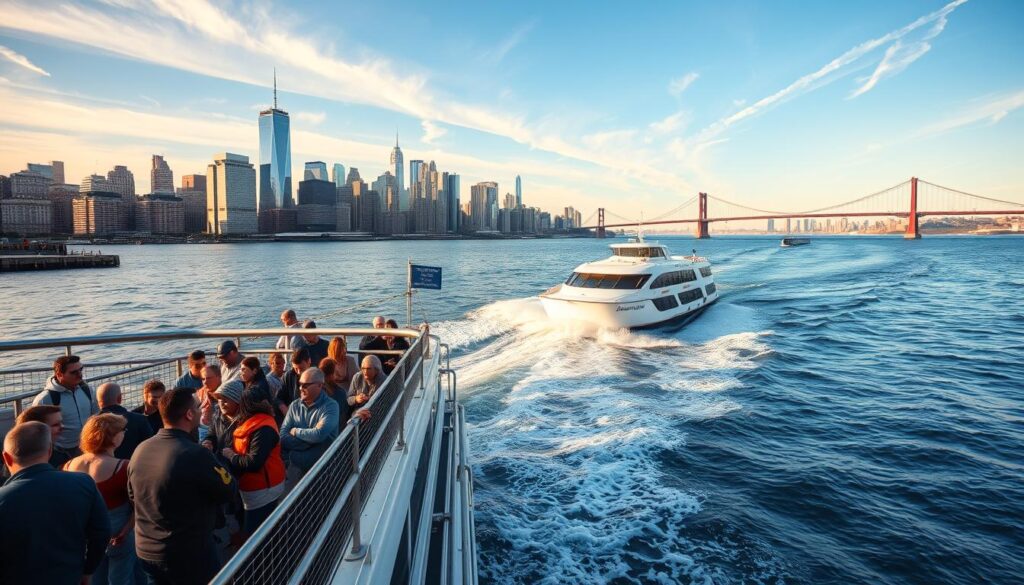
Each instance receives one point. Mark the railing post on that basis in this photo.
(177, 367)
(400, 445)
(67, 350)
(18, 408)
(423, 360)
(358, 550)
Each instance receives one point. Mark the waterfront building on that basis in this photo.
(316, 170)
(317, 191)
(415, 177)
(353, 176)
(450, 183)
(231, 195)
(519, 191)
(194, 200)
(5, 187)
(359, 188)
(371, 212)
(346, 205)
(95, 183)
(160, 213)
(771, 225)
(396, 222)
(316, 217)
(160, 175)
(193, 183)
(397, 169)
(29, 185)
(510, 202)
(343, 217)
(97, 213)
(387, 186)
(338, 174)
(484, 202)
(61, 198)
(275, 178)
(276, 221)
(122, 181)
(53, 171)
(27, 217)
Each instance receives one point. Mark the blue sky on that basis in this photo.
(782, 105)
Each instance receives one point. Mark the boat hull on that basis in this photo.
(629, 315)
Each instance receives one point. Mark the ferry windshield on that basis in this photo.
(620, 281)
(655, 252)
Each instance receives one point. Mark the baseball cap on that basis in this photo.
(226, 347)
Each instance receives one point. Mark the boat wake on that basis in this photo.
(573, 431)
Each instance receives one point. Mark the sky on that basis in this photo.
(779, 105)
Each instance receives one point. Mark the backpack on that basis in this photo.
(55, 395)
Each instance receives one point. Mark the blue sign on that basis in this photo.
(425, 276)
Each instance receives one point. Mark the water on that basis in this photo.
(849, 412)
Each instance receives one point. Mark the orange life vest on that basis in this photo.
(272, 472)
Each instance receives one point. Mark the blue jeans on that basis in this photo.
(118, 565)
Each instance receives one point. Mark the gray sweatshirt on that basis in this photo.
(76, 406)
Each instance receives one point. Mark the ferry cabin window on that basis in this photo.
(705, 271)
(639, 252)
(665, 303)
(710, 288)
(688, 296)
(673, 278)
(616, 281)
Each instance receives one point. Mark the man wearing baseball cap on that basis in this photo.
(230, 360)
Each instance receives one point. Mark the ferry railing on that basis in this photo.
(302, 540)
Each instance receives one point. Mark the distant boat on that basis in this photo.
(790, 242)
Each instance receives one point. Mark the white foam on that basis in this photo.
(570, 462)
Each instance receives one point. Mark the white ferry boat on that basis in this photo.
(639, 286)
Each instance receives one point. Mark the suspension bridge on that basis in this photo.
(911, 199)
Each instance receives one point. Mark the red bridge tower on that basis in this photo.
(702, 217)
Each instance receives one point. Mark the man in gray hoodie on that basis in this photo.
(68, 390)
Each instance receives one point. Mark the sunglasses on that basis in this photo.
(308, 384)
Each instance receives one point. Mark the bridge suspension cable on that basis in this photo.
(820, 210)
(958, 191)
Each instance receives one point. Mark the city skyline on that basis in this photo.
(764, 107)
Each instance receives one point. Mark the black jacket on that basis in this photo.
(53, 526)
(155, 422)
(137, 431)
(177, 487)
(317, 351)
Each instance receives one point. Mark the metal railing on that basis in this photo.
(302, 540)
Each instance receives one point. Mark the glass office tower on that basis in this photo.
(275, 160)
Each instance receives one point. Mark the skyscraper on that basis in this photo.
(275, 158)
(519, 192)
(120, 180)
(161, 177)
(353, 176)
(315, 170)
(338, 174)
(94, 183)
(231, 195)
(53, 171)
(485, 206)
(398, 170)
(510, 201)
(452, 192)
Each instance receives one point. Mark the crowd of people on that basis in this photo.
(100, 494)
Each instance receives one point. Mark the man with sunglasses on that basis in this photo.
(68, 390)
(310, 425)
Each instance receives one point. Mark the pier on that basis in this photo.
(24, 262)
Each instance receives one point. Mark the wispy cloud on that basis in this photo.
(310, 118)
(677, 86)
(900, 55)
(21, 60)
(991, 110)
(670, 123)
(498, 53)
(150, 100)
(431, 131)
(833, 70)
